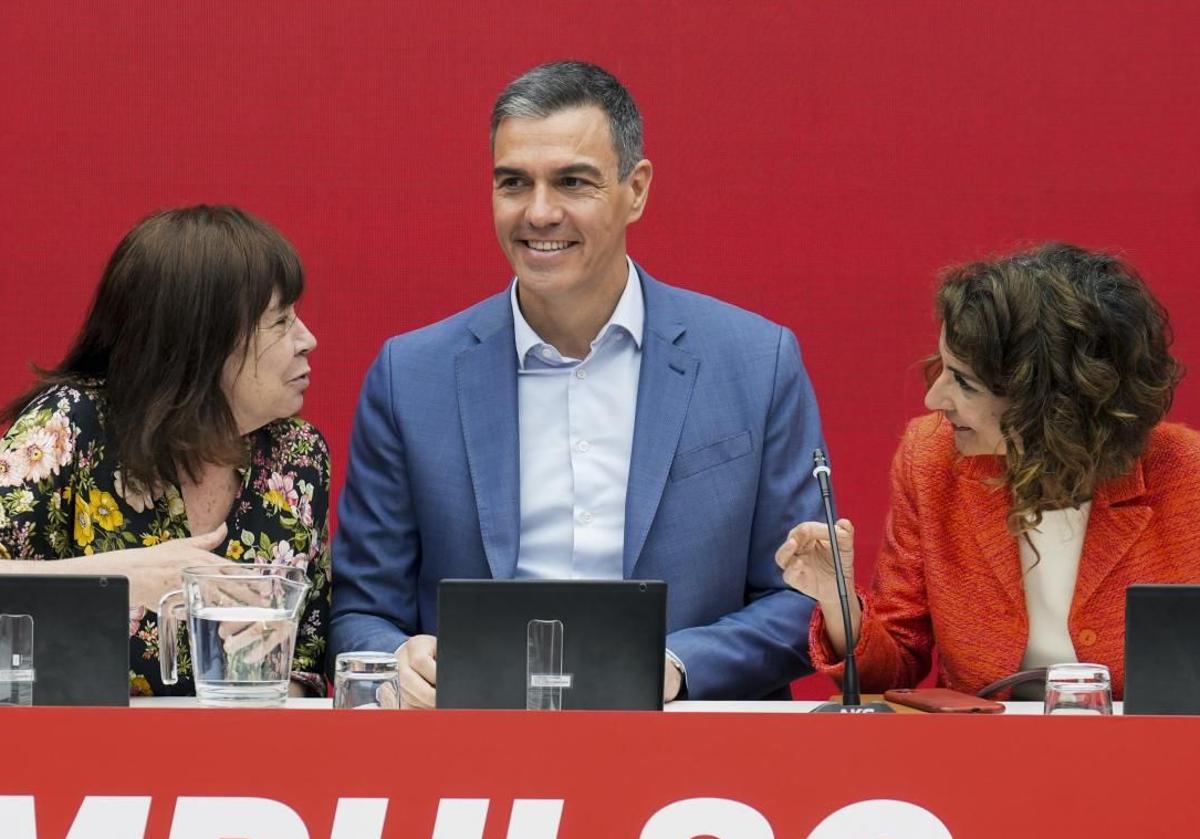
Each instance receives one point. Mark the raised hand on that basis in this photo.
(807, 563)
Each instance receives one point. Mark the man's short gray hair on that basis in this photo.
(550, 88)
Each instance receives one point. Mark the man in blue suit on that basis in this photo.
(589, 422)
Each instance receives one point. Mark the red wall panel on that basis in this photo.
(816, 162)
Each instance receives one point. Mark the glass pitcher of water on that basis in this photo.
(242, 622)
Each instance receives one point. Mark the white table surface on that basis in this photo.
(797, 707)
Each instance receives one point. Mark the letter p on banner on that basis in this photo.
(246, 818)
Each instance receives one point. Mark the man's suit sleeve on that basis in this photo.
(376, 553)
(763, 646)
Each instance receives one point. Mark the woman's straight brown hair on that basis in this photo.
(181, 293)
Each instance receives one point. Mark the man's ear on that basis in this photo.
(639, 184)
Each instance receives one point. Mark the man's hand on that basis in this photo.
(416, 660)
(672, 681)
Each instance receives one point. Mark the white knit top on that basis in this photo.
(1050, 583)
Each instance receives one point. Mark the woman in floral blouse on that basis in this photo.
(167, 437)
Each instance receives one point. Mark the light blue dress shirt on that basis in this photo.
(576, 437)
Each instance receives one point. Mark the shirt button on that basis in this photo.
(582, 446)
(580, 373)
(1087, 637)
(547, 352)
(586, 518)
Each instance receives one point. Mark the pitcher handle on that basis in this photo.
(168, 635)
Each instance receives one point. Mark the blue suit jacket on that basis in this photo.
(720, 470)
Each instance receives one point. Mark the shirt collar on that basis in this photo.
(629, 315)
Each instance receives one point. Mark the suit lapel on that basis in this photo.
(1114, 525)
(988, 501)
(668, 375)
(1111, 531)
(486, 379)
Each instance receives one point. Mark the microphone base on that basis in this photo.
(865, 708)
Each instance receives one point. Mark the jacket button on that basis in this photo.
(1087, 637)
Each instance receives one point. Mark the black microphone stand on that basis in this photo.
(851, 700)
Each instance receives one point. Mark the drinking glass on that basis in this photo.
(366, 680)
(1083, 689)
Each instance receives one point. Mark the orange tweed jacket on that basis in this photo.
(949, 569)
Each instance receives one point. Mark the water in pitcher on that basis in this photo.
(241, 655)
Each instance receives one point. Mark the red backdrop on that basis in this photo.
(815, 162)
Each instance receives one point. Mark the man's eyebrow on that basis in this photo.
(580, 169)
(565, 171)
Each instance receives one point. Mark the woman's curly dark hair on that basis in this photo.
(1079, 346)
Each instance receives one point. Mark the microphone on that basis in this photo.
(851, 700)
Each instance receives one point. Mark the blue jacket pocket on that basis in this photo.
(714, 454)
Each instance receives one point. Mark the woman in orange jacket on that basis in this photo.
(1043, 485)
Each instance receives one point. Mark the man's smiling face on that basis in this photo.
(560, 211)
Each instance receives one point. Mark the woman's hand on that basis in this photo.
(255, 648)
(807, 563)
(156, 570)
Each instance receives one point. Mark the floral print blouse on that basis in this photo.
(63, 494)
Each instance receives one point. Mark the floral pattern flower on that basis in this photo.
(138, 686)
(37, 456)
(63, 493)
(10, 473)
(19, 501)
(104, 510)
(304, 505)
(63, 441)
(84, 534)
(135, 619)
(282, 553)
(281, 492)
(35, 448)
(175, 506)
(131, 491)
